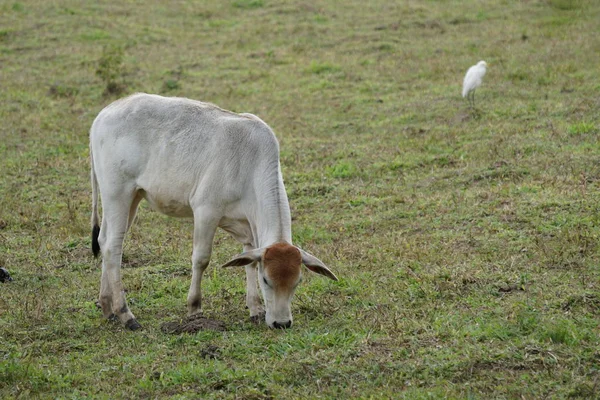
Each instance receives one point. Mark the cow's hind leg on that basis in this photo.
(115, 221)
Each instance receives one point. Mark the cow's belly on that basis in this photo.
(169, 205)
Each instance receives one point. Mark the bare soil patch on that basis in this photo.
(192, 324)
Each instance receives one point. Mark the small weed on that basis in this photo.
(518, 76)
(96, 35)
(386, 47)
(342, 169)
(582, 128)
(173, 82)
(459, 20)
(321, 19)
(18, 7)
(527, 320)
(565, 5)
(60, 90)
(482, 16)
(544, 81)
(111, 70)
(248, 4)
(323, 68)
(562, 332)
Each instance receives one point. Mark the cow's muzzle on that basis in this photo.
(280, 325)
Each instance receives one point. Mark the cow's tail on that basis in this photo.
(95, 217)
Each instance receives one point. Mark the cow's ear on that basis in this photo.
(316, 265)
(245, 258)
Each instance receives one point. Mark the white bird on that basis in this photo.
(473, 80)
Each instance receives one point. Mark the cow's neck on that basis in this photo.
(272, 222)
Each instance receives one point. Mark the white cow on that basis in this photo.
(193, 159)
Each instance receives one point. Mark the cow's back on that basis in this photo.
(175, 149)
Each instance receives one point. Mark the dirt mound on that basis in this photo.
(192, 324)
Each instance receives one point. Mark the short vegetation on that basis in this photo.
(466, 241)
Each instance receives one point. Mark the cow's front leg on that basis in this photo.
(205, 225)
(253, 302)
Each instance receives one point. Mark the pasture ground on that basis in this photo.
(466, 242)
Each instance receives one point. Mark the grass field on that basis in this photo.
(466, 242)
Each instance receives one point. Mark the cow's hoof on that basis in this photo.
(258, 318)
(112, 318)
(133, 325)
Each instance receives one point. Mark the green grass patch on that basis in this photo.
(248, 4)
(319, 68)
(342, 169)
(96, 35)
(582, 128)
(566, 5)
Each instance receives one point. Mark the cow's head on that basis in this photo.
(279, 273)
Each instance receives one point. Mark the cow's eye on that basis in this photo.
(265, 281)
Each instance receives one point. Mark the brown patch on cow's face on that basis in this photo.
(282, 264)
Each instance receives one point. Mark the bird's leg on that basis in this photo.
(473, 98)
